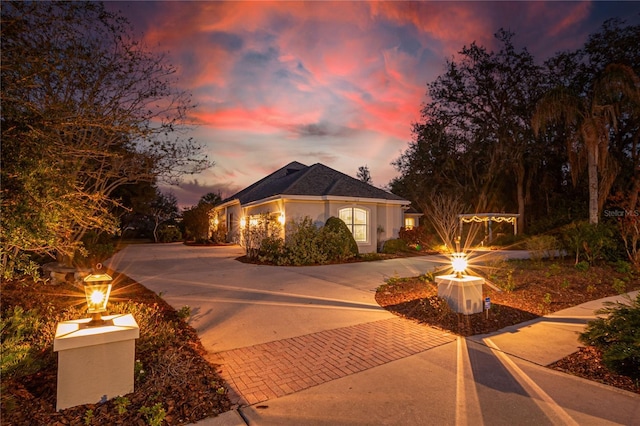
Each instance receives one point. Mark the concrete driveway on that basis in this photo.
(310, 346)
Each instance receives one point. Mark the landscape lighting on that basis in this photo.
(97, 288)
(459, 263)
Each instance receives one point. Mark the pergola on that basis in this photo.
(487, 219)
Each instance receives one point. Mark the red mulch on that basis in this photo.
(538, 288)
(188, 387)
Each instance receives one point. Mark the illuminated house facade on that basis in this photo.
(296, 191)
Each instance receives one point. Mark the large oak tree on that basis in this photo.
(85, 109)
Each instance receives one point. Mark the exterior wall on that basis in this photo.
(387, 218)
(232, 218)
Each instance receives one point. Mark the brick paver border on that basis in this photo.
(274, 369)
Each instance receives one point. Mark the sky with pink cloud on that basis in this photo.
(338, 83)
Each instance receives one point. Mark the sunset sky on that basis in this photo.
(339, 83)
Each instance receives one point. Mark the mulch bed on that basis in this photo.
(188, 387)
(537, 289)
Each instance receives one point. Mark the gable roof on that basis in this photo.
(316, 180)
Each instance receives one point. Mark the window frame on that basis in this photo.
(353, 225)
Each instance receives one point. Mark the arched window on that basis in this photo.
(357, 221)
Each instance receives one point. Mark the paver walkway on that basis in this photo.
(269, 370)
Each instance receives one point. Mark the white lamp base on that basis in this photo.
(463, 294)
(95, 363)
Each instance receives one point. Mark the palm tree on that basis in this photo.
(590, 120)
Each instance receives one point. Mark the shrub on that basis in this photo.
(541, 246)
(418, 237)
(623, 267)
(96, 248)
(256, 230)
(395, 246)
(337, 240)
(617, 336)
(302, 243)
(155, 332)
(589, 242)
(272, 250)
(582, 266)
(17, 328)
(169, 234)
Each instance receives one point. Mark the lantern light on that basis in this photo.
(97, 288)
(459, 263)
(281, 219)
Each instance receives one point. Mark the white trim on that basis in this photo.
(367, 224)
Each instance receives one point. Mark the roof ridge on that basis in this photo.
(305, 172)
(261, 181)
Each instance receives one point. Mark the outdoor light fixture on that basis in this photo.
(243, 222)
(459, 263)
(97, 288)
(281, 218)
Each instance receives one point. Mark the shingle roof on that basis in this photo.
(316, 180)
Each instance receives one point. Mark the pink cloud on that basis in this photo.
(319, 81)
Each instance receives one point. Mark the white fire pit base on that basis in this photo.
(463, 294)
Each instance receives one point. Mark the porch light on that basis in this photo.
(97, 288)
(459, 263)
(281, 218)
(243, 222)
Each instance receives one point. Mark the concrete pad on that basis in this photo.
(546, 340)
(237, 305)
(230, 418)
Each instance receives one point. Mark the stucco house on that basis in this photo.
(296, 191)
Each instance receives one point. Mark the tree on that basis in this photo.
(86, 109)
(211, 198)
(476, 133)
(364, 175)
(589, 120)
(164, 208)
(196, 221)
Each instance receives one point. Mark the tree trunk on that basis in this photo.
(520, 172)
(592, 169)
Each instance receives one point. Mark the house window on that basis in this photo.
(356, 220)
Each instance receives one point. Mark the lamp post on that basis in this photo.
(459, 263)
(97, 288)
(95, 356)
(462, 292)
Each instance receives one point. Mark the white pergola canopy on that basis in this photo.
(487, 219)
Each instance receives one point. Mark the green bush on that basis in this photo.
(272, 250)
(169, 234)
(155, 332)
(418, 237)
(623, 267)
(303, 243)
(306, 244)
(17, 330)
(395, 246)
(337, 240)
(96, 248)
(617, 336)
(590, 243)
(582, 266)
(542, 246)
(26, 334)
